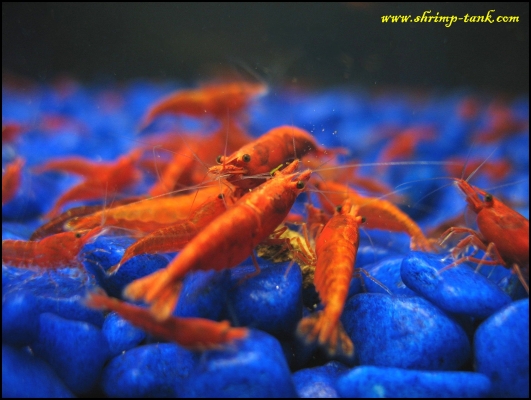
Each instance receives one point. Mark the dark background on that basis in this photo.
(307, 43)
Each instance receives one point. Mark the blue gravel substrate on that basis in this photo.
(417, 332)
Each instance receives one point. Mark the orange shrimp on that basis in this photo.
(503, 123)
(216, 100)
(336, 249)
(503, 233)
(58, 223)
(271, 150)
(11, 180)
(11, 131)
(380, 213)
(192, 333)
(56, 251)
(226, 241)
(174, 237)
(186, 168)
(146, 215)
(402, 145)
(101, 179)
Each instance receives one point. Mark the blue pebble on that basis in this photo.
(20, 318)
(60, 291)
(32, 197)
(457, 290)
(252, 367)
(404, 332)
(371, 254)
(369, 381)
(270, 301)
(76, 351)
(106, 251)
(19, 231)
(121, 334)
(203, 295)
(386, 272)
(154, 370)
(319, 382)
(24, 375)
(384, 242)
(501, 350)
(24, 206)
(296, 352)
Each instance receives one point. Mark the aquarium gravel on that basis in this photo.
(416, 332)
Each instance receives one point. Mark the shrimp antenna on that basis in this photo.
(466, 161)
(195, 196)
(194, 155)
(155, 156)
(507, 184)
(370, 240)
(394, 163)
(480, 165)
(244, 66)
(326, 162)
(315, 189)
(226, 138)
(430, 193)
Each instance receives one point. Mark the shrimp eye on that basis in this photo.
(246, 158)
(363, 220)
(488, 198)
(300, 185)
(339, 208)
(78, 235)
(220, 196)
(218, 159)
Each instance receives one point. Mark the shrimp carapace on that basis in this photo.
(274, 149)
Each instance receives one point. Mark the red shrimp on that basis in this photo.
(101, 179)
(226, 241)
(146, 215)
(57, 251)
(11, 180)
(502, 123)
(192, 333)
(275, 148)
(11, 131)
(186, 167)
(380, 213)
(175, 237)
(216, 100)
(57, 224)
(503, 233)
(402, 145)
(336, 249)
